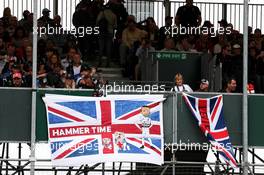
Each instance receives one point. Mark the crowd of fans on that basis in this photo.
(64, 60)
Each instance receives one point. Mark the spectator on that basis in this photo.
(11, 52)
(208, 26)
(17, 80)
(85, 80)
(57, 21)
(106, 35)
(220, 43)
(204, 44)
(45, 18)
(169, 45)
(19, 35)
(67, 61)
(2, 32)
(165, 32)
(83, 17)
(236, 66)
(179, 84)
(2, 60)
(75, 68)
(258, 40)
(250, 30)
(2, 44)
(142, 65)
(225, 58)
(28, 61)
(188, 15)
(54, 70)
(152, 32)
(6, 17)
(252, 61)
(119, 10)
(13, 21)
(12, 26)
(204, 86)
(230, 86)
(69, 82)
(28, 24)
(25, 18)
(130, 35)
(8, 67)
(223, 24)
(185, 45)
(260, 73)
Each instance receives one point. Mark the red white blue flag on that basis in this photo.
(208, 112)
(117, 128)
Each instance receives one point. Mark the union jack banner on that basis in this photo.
(116, 128)
(209, 115)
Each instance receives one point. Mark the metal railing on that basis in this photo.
(232, 12)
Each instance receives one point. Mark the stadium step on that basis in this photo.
(112, 74)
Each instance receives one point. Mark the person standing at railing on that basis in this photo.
(231, 86)
(188, 15)
(179, 86)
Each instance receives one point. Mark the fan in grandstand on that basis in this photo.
(204, 86)
(231, 86)
(188, 15)
(179, 86)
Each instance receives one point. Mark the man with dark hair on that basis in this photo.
(230, 86)
(188, 15)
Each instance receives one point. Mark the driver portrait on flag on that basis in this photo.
(145, 124)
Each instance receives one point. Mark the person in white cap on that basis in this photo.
(204, 86)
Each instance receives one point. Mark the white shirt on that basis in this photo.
(183, 88)
(76, 70)
(145, 121)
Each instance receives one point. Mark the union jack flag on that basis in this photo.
(209, 115)
(86, 130)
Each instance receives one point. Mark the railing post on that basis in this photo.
(245, 93)
(34, 87)
(167, 5)
(55, 7)
(224, 11)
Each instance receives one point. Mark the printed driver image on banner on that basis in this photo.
(116, 128)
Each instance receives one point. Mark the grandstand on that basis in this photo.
(44, 50)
